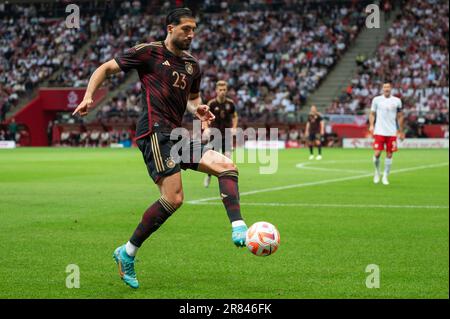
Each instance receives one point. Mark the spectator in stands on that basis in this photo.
(114, 137)
(84, 139)
(3, 135)
(13, 130)
(125, 138)
(387, 8)
(420, 132)
(50, 133)
(294, 134)
(94, 138)
(104, 138)
(65, 138)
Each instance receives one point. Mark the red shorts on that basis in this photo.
(380, 141)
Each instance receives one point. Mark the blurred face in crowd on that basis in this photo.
(314, 109)
(387, 88)
(181, 35)
(221, 91)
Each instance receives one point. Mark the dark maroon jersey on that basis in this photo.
(223, 112)
(167, 80)
(314, 123)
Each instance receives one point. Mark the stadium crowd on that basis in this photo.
(32, 48)
(414, 56)
(118, 28)
(271, 53)
(272, 59)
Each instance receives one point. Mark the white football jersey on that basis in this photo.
(386, 109)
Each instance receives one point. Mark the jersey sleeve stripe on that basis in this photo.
(149, 109)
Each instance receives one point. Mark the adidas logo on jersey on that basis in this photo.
(166, 63)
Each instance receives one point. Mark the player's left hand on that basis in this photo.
(84, 107)
(401, 135)
(204, 114)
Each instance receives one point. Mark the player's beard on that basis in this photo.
(182, 44)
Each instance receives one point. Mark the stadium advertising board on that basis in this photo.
(7, 144)
(252, 145)
(346, 119)
(407, 143)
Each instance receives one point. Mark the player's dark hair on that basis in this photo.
(174, 16)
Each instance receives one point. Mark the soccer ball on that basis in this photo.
(262, 239)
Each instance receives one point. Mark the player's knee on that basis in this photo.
(176, 200)
(229, 167)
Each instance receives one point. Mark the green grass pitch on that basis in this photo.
(74, 206)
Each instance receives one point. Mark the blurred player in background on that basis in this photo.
(170, 78)
(226, 117)
(386, 123)
(315, 130)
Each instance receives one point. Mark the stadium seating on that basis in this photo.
(271, 59)
(271, 53)
(32, 48)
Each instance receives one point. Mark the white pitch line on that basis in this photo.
(330, 169)
(326, 181)
(305, 165)
(330, 205)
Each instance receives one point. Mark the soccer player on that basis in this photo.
(315, 129)
(386, 123)
(225, 117)
(170, 79)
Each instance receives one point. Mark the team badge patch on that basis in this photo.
(189, 68)
(170, 163)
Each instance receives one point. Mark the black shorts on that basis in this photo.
(314, 137)
(156, 149)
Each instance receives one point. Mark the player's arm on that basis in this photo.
(206, 125)
(373, 110)
(235, 120)
(97, 78)
(400, 122)
(371, 122)
(195, 105)
(307, 129)
(200, 110)
(322, 128)
(234, 123)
